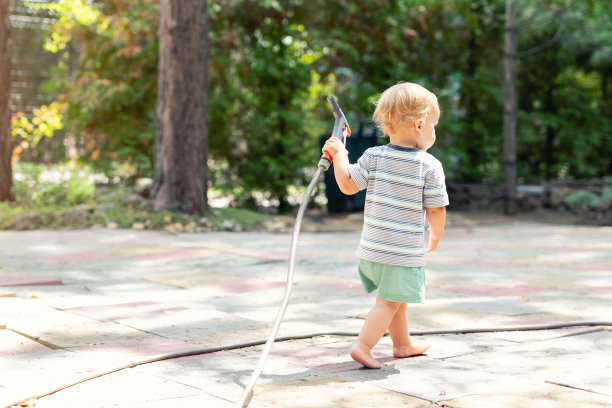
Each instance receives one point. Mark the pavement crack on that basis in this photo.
(38, 340)
(573, 388)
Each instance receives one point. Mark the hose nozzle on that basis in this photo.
(341, 130)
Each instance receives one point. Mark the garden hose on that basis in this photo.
(340, 131)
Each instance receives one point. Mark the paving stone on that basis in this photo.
(349, 286)
(177, 254)
(202, 400)
(46, 370)
(539, 335)
(235, 286)
(328, 358)
(81, 257)
(263, 254)
(226, 376)
(560, 360)
(111, 312)
(269, 270)
(233, 336)
(595, 290)
(509, 307)
(223, 263)
(23, 314)
(534, 396)
(189, 279)
(497, 290)
(128, 287)
(80, 334)
(433, 380)
(185, 323)
(327, 266)
(134, 350)
(14, 343)
(329, 390)
(71, 296)
(27, 280)
(124, 387)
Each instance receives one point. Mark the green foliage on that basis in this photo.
(60, 185)
(582, 200)
(273, 63)
(107, 76)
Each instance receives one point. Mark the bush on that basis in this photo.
(582, 200)
(58, 185)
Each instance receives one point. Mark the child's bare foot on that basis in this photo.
(407, 351)
(361, 354)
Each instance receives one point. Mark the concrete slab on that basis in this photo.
(189, 279)
(117, 311)
(14, 343)
(203, 280)
(185, 323)
(124, 387)
(329, 390)
(534, 396)
(81, 257)
(510, 289)
(509, 307)
(236, 286)
(176, 254)
(226, 376)
(560, 360)
(433, 380)
(81, 334)
(27, 280)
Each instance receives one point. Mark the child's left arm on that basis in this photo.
(436, 218)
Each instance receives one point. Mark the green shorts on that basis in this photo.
(404, 284)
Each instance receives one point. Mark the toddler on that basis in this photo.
(402, 182)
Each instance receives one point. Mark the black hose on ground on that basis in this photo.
(234, 346)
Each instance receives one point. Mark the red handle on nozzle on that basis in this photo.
(326, 160)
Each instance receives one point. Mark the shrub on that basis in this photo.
(58, 185)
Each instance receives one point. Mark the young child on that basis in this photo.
(402, 181)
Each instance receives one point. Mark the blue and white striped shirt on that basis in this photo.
(400, 182)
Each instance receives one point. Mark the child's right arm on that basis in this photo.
(436, 218)
(336, 148)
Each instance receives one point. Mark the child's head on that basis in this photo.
(402, 105)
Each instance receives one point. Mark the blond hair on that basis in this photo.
(403, 104)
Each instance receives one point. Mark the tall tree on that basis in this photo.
(180, 174)
(6, 174)
(510, 109)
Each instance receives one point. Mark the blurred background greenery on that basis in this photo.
(85, 90)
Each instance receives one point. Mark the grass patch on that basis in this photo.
(55, 198)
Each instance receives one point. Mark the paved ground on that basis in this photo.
(73, 303)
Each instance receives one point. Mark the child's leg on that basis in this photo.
(376, 324)
(398, 330)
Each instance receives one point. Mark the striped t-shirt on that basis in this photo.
(400, 182)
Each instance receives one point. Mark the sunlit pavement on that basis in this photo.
(74, 303)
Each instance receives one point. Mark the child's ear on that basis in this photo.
(418, 125)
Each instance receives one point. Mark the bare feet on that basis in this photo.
(361, 354)
(407, 351)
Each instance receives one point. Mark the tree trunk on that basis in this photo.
(180, 174)
(509, 161)
(6, 173)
